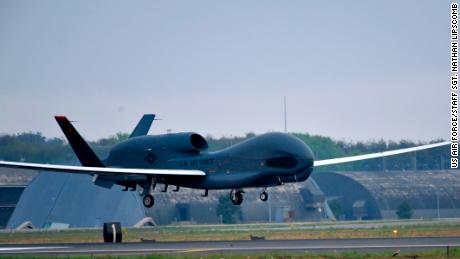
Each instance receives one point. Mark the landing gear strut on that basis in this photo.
(148, 201)
(236, 197)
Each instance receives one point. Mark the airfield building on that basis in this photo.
(291, 202)
(72, 200)
(377, 195)
(12, 184)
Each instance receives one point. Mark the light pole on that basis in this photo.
(269, 209)
(437, 200)
(437, 203)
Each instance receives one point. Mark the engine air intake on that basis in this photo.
(198, 142)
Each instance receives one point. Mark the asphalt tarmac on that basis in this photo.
(243, 246)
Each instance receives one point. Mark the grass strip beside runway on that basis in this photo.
(234, 232)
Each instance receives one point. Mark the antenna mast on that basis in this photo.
(285, 116)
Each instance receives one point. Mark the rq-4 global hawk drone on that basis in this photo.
(181, 159)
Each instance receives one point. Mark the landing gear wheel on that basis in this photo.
(148, 201)
(264, 196)
(237, 198)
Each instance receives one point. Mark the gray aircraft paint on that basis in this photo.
(238, 166)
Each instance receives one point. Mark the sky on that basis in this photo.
(350, 70)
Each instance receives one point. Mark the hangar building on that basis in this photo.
(12, 184)
(290, 202)
(377, 195)
(73, 201)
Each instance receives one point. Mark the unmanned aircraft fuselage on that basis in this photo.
(266, 160)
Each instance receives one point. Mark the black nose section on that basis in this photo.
(300, 151)
(303, 155)
(287, 162)
(291, 153)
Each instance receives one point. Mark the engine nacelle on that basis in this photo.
(146, 150)
(186, 142)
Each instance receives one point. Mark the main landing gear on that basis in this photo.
(236, 197)
(263, 196)
(148, 201)
(147, 187)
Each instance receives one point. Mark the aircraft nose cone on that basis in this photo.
(295, 148)
(298, 148)
(303, 154)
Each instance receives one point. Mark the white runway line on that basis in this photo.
(6, 249)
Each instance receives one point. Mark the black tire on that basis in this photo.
(237, 198)
(148, 201)
(264, 196)
(112, 232)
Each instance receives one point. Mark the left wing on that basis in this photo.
(101, 170)
(376, 155)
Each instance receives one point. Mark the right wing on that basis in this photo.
(347, 159)
(101, 170)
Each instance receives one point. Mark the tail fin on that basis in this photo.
(84, 153)
(143, 126)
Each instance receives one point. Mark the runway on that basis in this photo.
(242, 246)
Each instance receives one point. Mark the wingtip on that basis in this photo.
(443, 143)
(60, 117)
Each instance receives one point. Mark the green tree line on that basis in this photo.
(34, 147)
